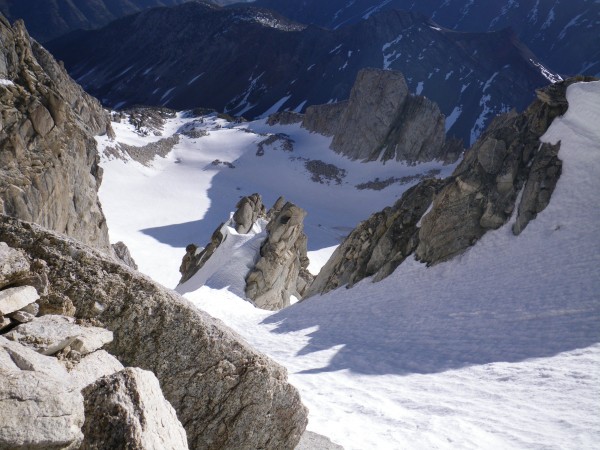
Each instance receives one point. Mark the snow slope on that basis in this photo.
(498, 348)
(180, 199)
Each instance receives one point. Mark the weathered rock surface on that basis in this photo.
(145, 154)
(284, 118)
(13, 299)
(482, 192)
(127, 410)
(249, 209)
(50, 334)
(39, 406)
(13, 265)
(324, 119)
(378, 245)
(382, 121)
(122, 252)
(49, 171)
(226, 394)
(39, 411)
(94, 366)
(280, 272)
(314, 441)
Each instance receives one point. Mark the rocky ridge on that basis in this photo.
(49, 171)
(226, 394)
(383, 121)
(280, 270)
(439, 219)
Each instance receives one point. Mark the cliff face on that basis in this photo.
(49, 170)
(383, 121)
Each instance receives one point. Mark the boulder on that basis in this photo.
(39, 406)
(122, 253)
(50, 334)
(39, 411)
(226, 394)
(276, 275)
(13, 299)
(13, 265)
(127, 410)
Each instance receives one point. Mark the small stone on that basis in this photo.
(13, 299)
(4, 322)
(22, 316)
(32, 308)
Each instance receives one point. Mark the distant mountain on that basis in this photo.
(562, 33)
(47, 19)
(253, 62)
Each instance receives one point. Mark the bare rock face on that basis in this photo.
(13, 265)
(281, 269)
(49, 171)
(382, 121)
(377, 246)
(39, 406)
(483, 190)
(226, 394)
(122, 252)
(127, 410)
(249, 209)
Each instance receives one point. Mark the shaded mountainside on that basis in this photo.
(248, 61)
(481, 195)
(49, 171)
(48, 19)
(562, 33)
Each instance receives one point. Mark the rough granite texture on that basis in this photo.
(49, 171)
(483, 189)
(128, 408)
(379, 244)
(281, 270)
(382, 121)
(226, 394)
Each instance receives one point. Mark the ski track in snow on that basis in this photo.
(498, 348)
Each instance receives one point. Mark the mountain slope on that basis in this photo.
(423, 358)
(251, 62)
(563, 34)
(48, 19)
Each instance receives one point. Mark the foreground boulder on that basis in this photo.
(39, 406)
(49, 171)
(382, 121)
(226, 394)
(128, 407)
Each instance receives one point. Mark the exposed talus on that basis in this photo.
(383, 121)
(226, 394)
(49, 171)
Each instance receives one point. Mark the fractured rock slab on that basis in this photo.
(13, 265)
(94, 366)
(13, 299)
(50, 334)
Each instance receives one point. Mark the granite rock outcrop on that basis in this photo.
(383, 121)
(49, 171)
